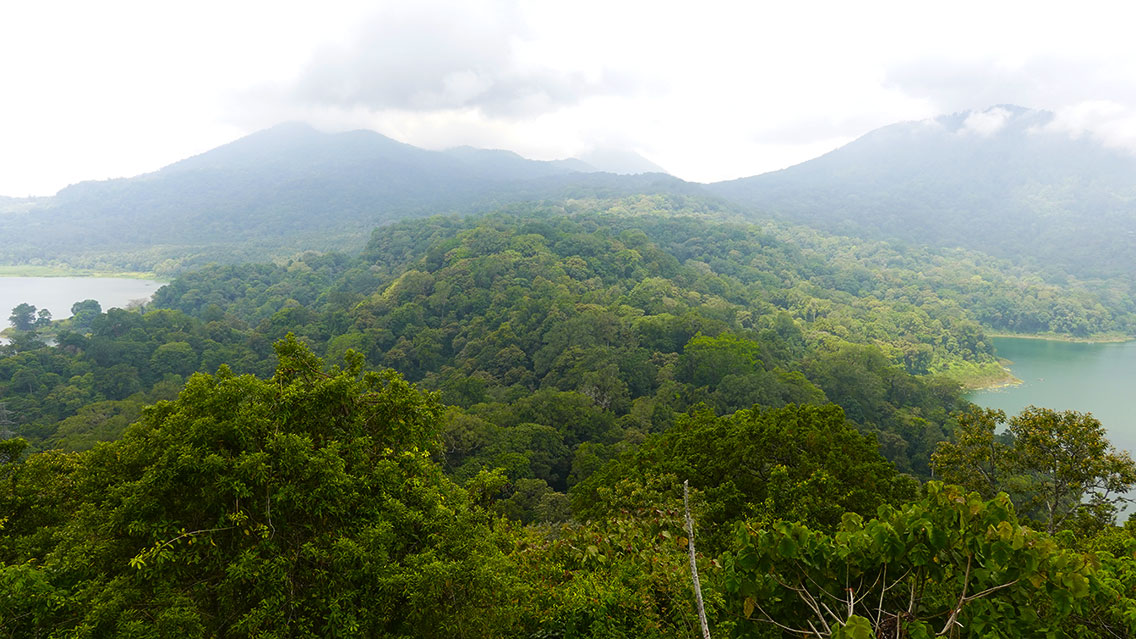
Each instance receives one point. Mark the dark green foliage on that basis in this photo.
(609, 325)
(606, 349)
(23, 317)
(88, 387)
(278, 192)
(801, 463)
(623, 576)
(305, 505)
(321, 494)
(83, 313)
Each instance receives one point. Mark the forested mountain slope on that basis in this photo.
(1008, 181)
(627, 317)
(280, 191)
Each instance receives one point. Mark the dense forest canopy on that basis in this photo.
(480, 426)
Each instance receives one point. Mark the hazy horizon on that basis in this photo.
(709, 93)
(980, 121)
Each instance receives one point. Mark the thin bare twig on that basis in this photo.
(953, 619)
(693, 564)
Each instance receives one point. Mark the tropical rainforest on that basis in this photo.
(537, 396)
(481, 426)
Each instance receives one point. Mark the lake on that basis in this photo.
(1096, 378)
(57, 294)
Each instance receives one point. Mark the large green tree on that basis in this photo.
(304, 505)
(798, 462)
(1058, 465)
(23, 317)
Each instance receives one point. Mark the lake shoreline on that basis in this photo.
(58, 295)
(990, 380)
(26, 270)
(1009, 380)
(1052, 337)
(1087, 378)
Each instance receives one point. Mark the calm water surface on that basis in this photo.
(1096, 378)
(57, 294)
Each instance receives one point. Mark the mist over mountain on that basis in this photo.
(497, 163)
(286, 189)
(1006, 180)
(620, 161)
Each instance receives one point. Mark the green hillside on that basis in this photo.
(279, 192)
(1014, 187)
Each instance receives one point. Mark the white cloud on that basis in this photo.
(1110, 123)
(710, 91)
(432, 56)
(985, 123)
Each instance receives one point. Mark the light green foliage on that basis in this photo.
(178, 358)
(977, 459)
(949, 564)
(11, 449)
(1074, 466)
(707, 360)
(626, 576)
(1113, 610)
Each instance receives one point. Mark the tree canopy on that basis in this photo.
(1059, 465)
(302, 505)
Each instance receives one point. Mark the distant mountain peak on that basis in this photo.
(293, 187)
(1010, 181)
(620, 161)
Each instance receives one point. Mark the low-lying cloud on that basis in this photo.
(1088, 98)
(1109, 123)
(986, 123)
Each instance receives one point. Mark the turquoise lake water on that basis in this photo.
(1090, 378)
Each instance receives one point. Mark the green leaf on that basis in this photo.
(787, 547)
(856, 627)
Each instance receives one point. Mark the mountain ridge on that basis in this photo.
(284, 190)
(1004, 180)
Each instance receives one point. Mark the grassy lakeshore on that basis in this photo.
(1113, 338)
(974, 377)
(25, 270)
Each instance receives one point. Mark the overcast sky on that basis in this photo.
(709, 90)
